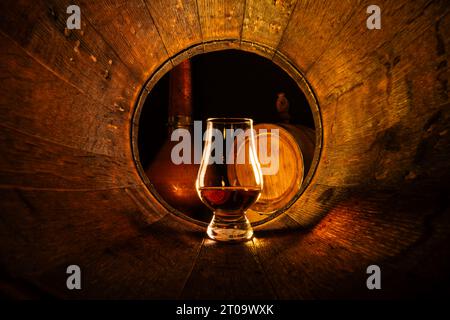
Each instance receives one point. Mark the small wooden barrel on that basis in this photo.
(306, 140)
(296, 151)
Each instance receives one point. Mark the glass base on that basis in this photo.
(230, 230)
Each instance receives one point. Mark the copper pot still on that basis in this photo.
(175, 184)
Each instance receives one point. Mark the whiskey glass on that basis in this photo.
(229, 179)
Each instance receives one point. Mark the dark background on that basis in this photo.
(227, 83)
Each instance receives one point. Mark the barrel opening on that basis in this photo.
(226, 83)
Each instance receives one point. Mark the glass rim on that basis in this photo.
(230, 120)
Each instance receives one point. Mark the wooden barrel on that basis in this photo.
(174, 184)
(71, 192)
(282, 179)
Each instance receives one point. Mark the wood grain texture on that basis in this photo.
(403, 24)
(375, 127)
(330, 260)
(31, 162)
(265, 21)
(81, 57)
(37, 102)
(148, 258)
(313, 26)
(42, 228)
(82, 227)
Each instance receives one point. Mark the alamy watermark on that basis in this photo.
(374, 20)
(229, 141)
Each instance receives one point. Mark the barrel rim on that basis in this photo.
(262, 50)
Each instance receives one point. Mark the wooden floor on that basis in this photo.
(70, 192)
